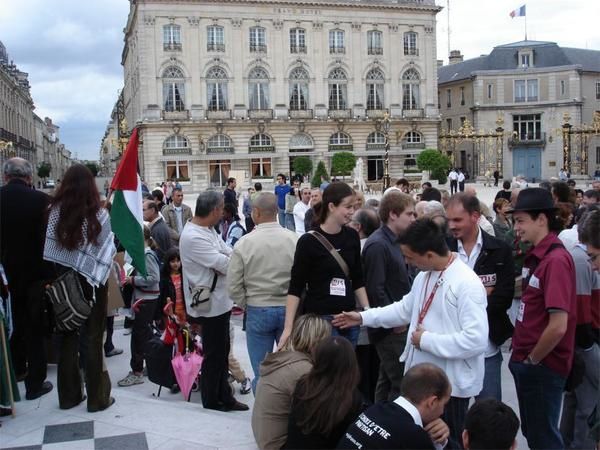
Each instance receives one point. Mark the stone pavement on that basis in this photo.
(140, 421)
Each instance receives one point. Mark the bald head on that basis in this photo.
(17, 168)
(420, 208)
(470, 190)
(264, 208)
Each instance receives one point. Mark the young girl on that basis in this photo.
(145, 298)
(171, 287)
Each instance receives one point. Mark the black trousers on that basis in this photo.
(141, 333)
(214, 385)
(454, 416)
(461, 186)
(69, 376)
(26, 344)
(453, 186)
(110, 327)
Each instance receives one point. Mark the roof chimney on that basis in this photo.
(440, 63)
(455, 57)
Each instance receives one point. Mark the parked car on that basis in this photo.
(49, 184)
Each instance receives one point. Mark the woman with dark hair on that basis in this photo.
(327, 265)
(326, 400)
(79, 237)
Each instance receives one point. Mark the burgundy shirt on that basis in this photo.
(551, 285)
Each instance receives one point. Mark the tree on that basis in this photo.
(93, 168)
(44, 170)
(436, 163)
(303, 165)
(342, 164)
(320, 175)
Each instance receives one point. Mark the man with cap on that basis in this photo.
(544, 336)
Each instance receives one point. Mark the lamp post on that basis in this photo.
(385, 126)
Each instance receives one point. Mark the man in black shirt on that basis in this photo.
(229, 194)
(412, 421)
(505, 192)
(387, 280)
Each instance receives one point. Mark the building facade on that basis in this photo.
(241, 87)
(528, 88)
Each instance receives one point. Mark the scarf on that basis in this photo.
(91, 261)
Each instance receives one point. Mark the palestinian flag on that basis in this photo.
(126, 212)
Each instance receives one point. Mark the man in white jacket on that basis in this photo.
(446, 310)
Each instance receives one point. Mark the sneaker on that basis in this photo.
(131, 379)
(246, 386)
(114, 352)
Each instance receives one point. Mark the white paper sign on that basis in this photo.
(337, 287)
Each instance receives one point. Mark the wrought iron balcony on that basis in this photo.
(212, 47)
(300, 113)
(375, 50)
(260, 113)
(527, 140)
(341, 147)
(217, 150)
(261, 149)
(218, 114)
(177, 151)
(340, 113)
(297, 48)
(337, 50)
(376, 113)
(172, 46)
(412, 113)
(258, 48)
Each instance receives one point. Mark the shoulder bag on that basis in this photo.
(200, 296)
(323, 240)
(71, 308)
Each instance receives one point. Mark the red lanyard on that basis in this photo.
(429, 300)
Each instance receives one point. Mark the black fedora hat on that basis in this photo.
(534, 199)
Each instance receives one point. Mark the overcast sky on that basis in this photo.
(72, 49)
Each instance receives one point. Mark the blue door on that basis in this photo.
(528, 162)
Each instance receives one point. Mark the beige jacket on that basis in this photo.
(170, 217)
(279, 373)
(260, 267)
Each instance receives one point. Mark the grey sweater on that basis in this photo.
(147, 288)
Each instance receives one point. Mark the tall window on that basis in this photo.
(216, 89)
(173, 89)
(297, 40)
(525, 60)
(218, 171)
(597, 90)
(258, 40)
(215, 41)
(172, 37)
(449, 98)
(563, 87)
(337, 89)
(410, 89)
(526, 91)
(261, 167)
(410, 43)
(176, 144)
(374, 42)
(448, 124)
(375, 82)
(462, 96)
(178, 170)
(489, 91)
(258, 88)
(336, 41)
(298, 89)
(528, 126)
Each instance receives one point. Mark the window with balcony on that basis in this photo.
(340, 141)
(410, 43)
(258, 39)
(258, 88)
(299, 89)
(375, 83)
(462, 96)
(526, 91)
(261, 168)
(413, 137)
(338, 89)
(216, 89)
(215, 39)
(336, 42)
(411, 82)
(173, 89)
(297, 40)
(261, 140)
(172, 37)
(374, 42)
(219, 143)
(527, 127)
(176, 144)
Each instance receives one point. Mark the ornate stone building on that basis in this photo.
(530, 85)
(241, 87)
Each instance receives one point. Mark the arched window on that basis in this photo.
(413, 137)
(340, 138)
(173, 89)
(301, 141)
(176, 144)
(261, 140)
(375, 82)
(376, 138)
(258, 88)
(172, 37)
(338, 97)
(298, 89)
(258, 39)
(219, 143)
(410, 89)
(410, 43)
(216, 89)
(374, 42)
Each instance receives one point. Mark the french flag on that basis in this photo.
(519, 12)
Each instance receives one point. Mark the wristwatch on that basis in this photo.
(530, 360)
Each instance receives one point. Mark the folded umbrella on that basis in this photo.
(186, 367)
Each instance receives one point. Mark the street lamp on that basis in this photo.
(385, 126)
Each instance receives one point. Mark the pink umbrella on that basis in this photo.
(186, 368)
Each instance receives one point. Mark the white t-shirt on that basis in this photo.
(299, 212)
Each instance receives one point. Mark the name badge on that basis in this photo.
(521, 312)
(337, 287)
(534, 282)
(488, 279)
(525, 272)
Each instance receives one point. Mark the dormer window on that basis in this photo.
(525, 59)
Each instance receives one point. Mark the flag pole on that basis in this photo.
(525, 25)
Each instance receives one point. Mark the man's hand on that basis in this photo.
(438, 431)
(489, 290)
(347, 320)
(416, 336)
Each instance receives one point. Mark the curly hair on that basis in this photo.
(78, 199)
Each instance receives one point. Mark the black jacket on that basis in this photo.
(495, 267)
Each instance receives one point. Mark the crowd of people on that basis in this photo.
(369, 324)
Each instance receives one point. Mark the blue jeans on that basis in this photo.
(281, 217)
(349, 333)
(289, 222)
(264, 326)
(540, 393)
(492, 383)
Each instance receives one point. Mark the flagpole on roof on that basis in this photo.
(525, 24)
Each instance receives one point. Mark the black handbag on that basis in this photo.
(71, 308)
